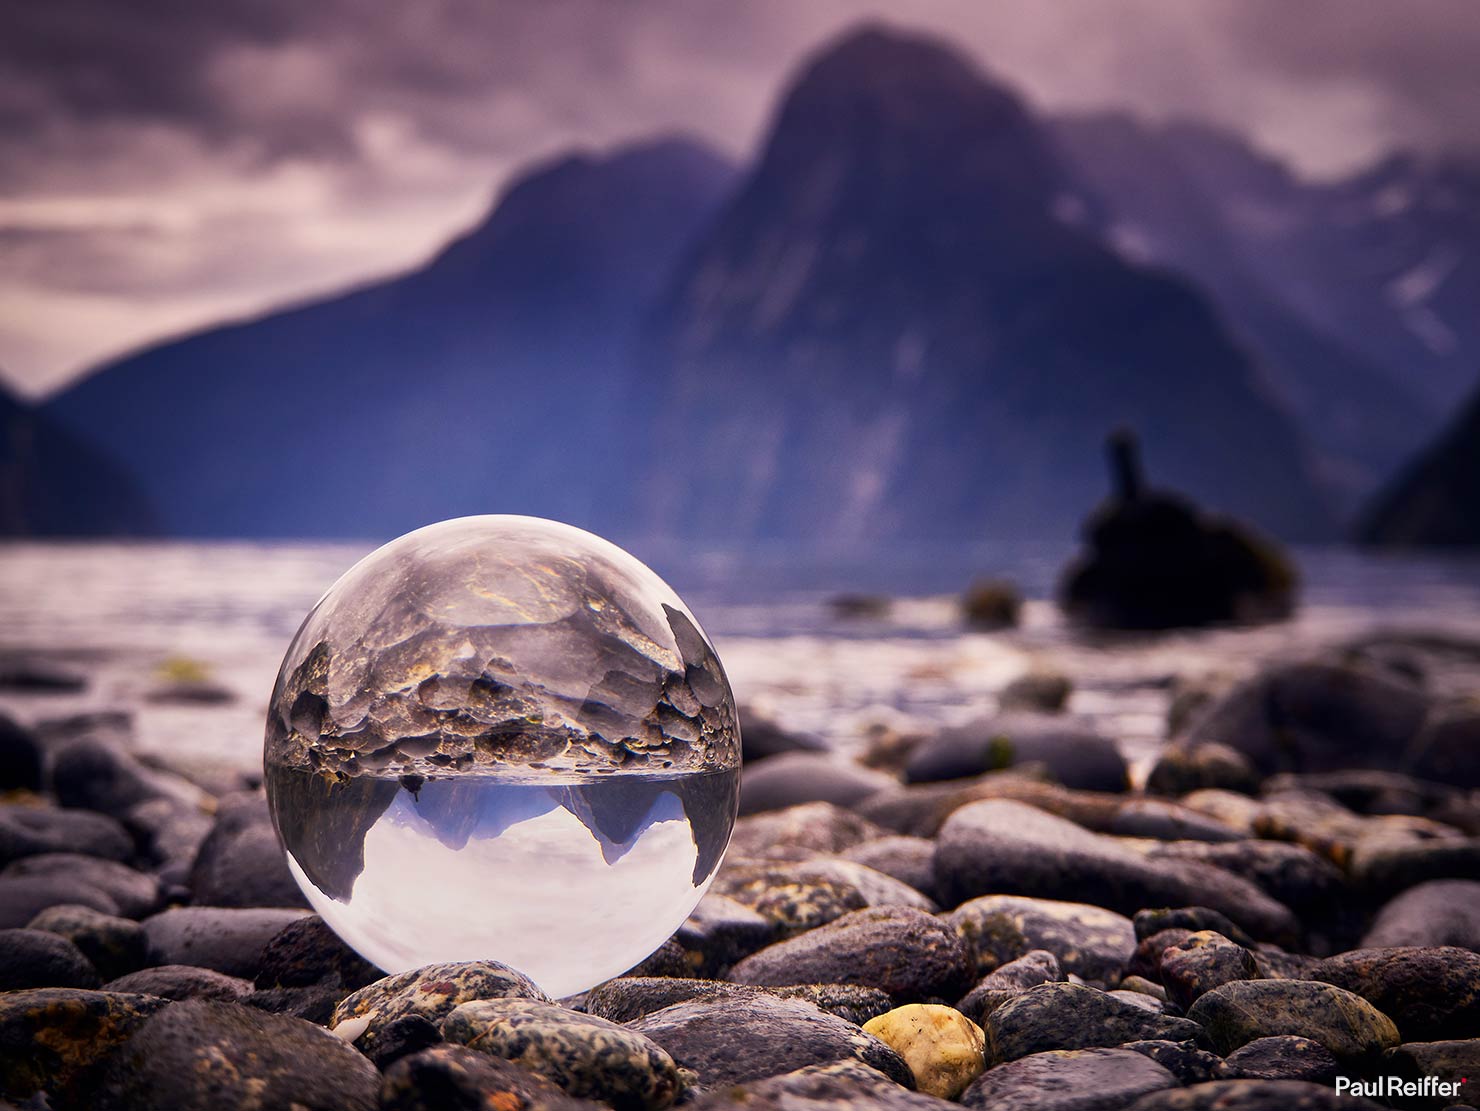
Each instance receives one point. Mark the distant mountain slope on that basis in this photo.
(1436, 501)
(53, 483)
(489, 381)
(902, 325)
(1359, 417)
(1388, 260)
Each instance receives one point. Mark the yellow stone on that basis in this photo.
(944, 1049)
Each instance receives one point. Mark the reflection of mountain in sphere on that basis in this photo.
(492, 731)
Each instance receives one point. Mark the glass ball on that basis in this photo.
(503, 738)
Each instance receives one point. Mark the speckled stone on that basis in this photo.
(1252, 1095)
(203, 1055)
(182, 981)
(1038, 966)
(114, 945)
(1072, 1016)
(1069, 1080)
(1346, 1024)
(429, 993)
(1282, 1057)
(1429, 993)
(912, 955)
(52, 1038)
(39, 959)
(1091, 942)
(840, 1085)
(584, 1055)
(456, 1078)
(731, 1041)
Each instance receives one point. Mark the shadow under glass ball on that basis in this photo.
(503, 738)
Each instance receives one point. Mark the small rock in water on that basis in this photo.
(456, 1078)
(990, 604)
(39, 677)
(943, 1048)
(39, 959)
(582, 1054)
(1038, 690)
(115, 946)
(182, 981)
(1346, 1024)
(1069, 1080)
(905, 952)
(430, 994)
(202, 1056)
(1283, 1057)
(731, 1041)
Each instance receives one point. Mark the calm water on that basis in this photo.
(129, 614)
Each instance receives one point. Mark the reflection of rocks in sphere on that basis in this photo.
(492, 732)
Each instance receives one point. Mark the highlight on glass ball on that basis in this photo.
(503, 738)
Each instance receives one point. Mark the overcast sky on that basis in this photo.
(168, 163)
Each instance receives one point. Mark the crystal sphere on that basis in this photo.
(503, 738)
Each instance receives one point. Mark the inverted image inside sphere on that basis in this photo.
(489, 731)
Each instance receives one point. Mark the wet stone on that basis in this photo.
(732, 1041)
(1089, 941)
(240, 863)
(307, 952)
(32, 830)
(584, 1055)
(1069, 1080)
(181, 981)
(1004, 847)
(314, 1003)
(115, 946)
(229, 940)
(135, 893)
(720, 931)
(911, 955)
(1010, 980)
(628, 998)
(1429, 993)
(203, 1055)
(39, 959)
(1283, 1057)
(1148, 922)
(790, 904)
(910, 860)
(1346, 1024)
(1184, 1060)
(429, 993)
(1253, 1095)
(668, 959)
(1071, 1016)
(20, 757)
(456, 1078)
(52, 1039)
(817, 826)
(841, 1084)
(1074, 754)
(1204, 961)
(22, 898)
(795, 778)
(1441, 913)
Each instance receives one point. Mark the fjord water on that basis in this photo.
(570, 878)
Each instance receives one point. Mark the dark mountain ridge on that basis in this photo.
(487, 381)
(893, 330)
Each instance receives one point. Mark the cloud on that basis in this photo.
(165, 161)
